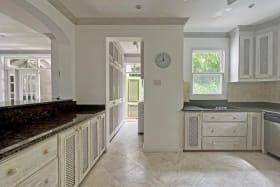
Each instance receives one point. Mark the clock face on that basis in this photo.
(163, 60)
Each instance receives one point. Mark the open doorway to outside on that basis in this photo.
(124, 81)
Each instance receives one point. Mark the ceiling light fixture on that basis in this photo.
(228, 9)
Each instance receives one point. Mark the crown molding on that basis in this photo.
(132, 21)
(62, 9)
(25, 52)
(117, 20)
(206, 35)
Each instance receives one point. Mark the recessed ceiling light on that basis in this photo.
(252, 5)
(228, 9)
(138, 7)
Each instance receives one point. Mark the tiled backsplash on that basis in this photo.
(247, 92)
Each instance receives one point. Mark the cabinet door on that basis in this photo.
(264, 55)
(84, 153)
(68, 146)
(93, 141)
(246, 57)
(192, 131)
(101, 134)
(254, 138)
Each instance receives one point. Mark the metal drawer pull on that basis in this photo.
(46, 151)
(11, 172)
(234, 117)
(213, 117)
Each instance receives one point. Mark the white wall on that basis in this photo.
(202, 43)
(163, 104)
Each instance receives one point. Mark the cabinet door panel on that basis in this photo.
(254, 139)
(264, 55)
(84, 149)
(192, 131)
(246, 57)
(69, 158)
(101, 134)
(94, 140)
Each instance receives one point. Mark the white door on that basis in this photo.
(29, 85)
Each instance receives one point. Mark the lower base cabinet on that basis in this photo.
(79, 149)
(223, 131)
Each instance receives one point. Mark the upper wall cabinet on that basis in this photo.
(246, 57)
(253, 54)
(264, 55)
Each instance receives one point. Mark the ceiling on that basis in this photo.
(16, 36)
(129, 47)
(205, 15)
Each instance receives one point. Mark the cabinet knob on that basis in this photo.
(46, 181)
(213, 117)
(46, 151)
(212, 131)
(11, 171)
(234, 117)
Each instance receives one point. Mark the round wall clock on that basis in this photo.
(163, 60)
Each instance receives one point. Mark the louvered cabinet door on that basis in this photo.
(254, 137)
(84, 149)
(192, 131)
(93, 141)
(68, 153)
(101, 134)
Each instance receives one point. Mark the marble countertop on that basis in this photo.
(236, 107)
(14, 140)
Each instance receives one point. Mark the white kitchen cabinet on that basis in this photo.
(101, 133)
(193, 131)
(84, 152)
(69, 158)
(253, 54)
(224, 143)
(94, 141)
(25, 163)
(79, 148)
(254, 138)
(264, 55)
(45, 177)
(246, 57)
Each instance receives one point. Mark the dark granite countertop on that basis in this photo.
(210, 106)
(14, 140)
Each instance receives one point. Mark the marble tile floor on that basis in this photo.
(125, 165)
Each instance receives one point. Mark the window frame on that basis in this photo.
(223, 73)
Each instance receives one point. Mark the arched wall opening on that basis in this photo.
(38, 16)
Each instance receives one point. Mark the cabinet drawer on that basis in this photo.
(45, 177)
(225, 116)
(224, 129)
(26, 162)
(224, 143)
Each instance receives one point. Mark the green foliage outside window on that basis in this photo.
(207, 73)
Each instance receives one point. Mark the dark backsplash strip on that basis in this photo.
(215, 103)
(207, 103)
(23, 115)
(90, 107)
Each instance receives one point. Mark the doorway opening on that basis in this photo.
(25, 63)
(124, 82)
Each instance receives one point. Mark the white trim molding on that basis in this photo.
(206, 35)
(117, 20)
(133, 21)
